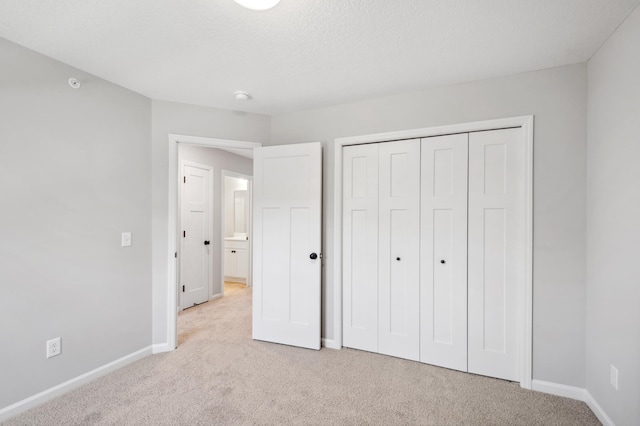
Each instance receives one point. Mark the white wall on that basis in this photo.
(557, 98)
(613, 225)
(75, 172)
(219, 160)
(176, 118)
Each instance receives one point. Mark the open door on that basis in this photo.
(287, 202)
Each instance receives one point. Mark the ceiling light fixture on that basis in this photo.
(74, 82)
(257, 4)
(241, 95)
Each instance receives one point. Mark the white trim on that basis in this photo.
(525, 319)
(560, 390)
(597, 410)
(44, 396)
(160, 348)
(330, 344)
(573, 392)
(526, 336)
(172, 286)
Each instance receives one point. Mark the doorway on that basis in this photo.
(176, 141)
(236, 226)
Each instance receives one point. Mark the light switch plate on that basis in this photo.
(126, 239)
(614, 377)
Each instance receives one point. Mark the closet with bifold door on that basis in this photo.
(433, 249)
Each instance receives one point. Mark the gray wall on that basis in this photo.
(219, 160)
(613, 231)
(557, 98)
(75, 172)
(170, 117)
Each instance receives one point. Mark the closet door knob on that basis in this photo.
(398, 259)
(313, 256)
(206, 243)
(442, 261)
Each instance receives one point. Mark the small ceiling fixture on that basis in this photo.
(74, 82)
(241, 95)
(257, 4)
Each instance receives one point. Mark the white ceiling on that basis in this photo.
(305, 54)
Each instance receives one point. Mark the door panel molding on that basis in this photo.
(525, 297)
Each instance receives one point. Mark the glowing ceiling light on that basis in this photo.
(257, 4)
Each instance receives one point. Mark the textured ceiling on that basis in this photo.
(307, 53)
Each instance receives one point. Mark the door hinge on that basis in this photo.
(184, 179)
(184, 234)
(183, 289)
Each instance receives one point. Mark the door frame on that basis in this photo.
(179, 248)
(230, 173)
(172, 278)
(525, 308)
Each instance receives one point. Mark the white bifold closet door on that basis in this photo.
(399, 249)
(496, 251)
(381, 224)
(360, 247)
(443, 247)
(433, 249)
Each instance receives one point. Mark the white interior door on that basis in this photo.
(287, 242)
(196, 260)
(496, 250)
(360, 247)
(399, 249)
(443, 248)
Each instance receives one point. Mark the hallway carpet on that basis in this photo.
(219, 375)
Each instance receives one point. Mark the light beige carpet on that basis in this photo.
(218, 375)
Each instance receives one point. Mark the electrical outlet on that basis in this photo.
(126, 239)
(53, 347)
(614, 377)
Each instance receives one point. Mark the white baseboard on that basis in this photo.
(560, 390)
(573, 392)
(44, 396)
(330, 343)
(161, 347)
(597, 410)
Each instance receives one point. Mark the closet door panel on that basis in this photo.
(399, 245)
(496, 251)
(360, 247)
(443, 248)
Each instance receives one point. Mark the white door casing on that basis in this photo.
(443, 251)
(165, 318)
(360, 250)
(196, 261)
(287, 231)
(496, 251)
(399, 247)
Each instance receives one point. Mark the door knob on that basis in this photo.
(398, 259)
(313, 256)
(442, 261)
(206, 243)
